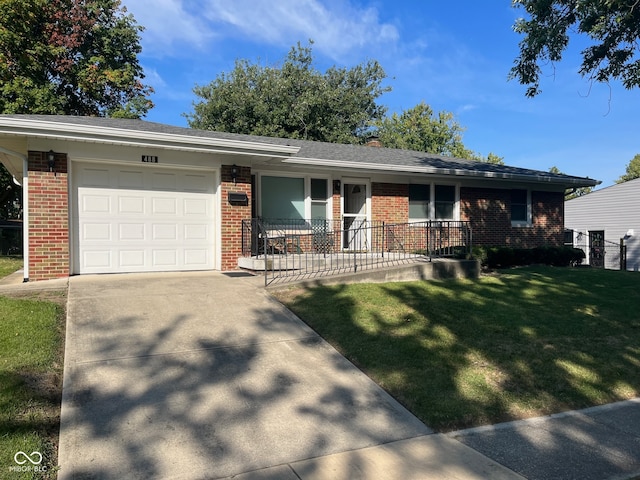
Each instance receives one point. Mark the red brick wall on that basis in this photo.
(48, 217)
(232, 215)
(390, 202)
(489, 211)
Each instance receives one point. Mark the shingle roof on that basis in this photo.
(310, 151)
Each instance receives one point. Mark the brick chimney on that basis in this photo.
(373, 141)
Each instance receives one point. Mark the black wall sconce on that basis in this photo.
(234, 173)
(336, 186)
(51, 160)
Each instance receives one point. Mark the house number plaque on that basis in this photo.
(149, 159)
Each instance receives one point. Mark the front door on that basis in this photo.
(596, 248)
(355, 217)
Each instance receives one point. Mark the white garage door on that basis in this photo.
(132, 219)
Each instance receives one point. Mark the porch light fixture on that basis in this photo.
(234, 173)
(51, 160)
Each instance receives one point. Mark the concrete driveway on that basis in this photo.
(203, 375)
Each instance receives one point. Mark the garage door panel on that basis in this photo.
(196, 231)
(164, 232)
(131, 204)
(137, 221)
(95, 203)
(133, 259)
(96, 231)
(131, 231)
(100, 259)
(164, 206)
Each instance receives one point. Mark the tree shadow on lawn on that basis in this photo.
(465, 353)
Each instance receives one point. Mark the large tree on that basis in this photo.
(633, 170)
(613, 27)
(421, 129)
(74, 57)
(293, 100)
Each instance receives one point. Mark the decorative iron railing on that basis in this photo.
(309, 248)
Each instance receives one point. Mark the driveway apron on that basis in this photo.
(204, 375)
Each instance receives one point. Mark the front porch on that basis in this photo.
(294, 249)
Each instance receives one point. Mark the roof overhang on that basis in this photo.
(566, 181)
(61, 130)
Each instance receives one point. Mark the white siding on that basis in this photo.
(616, 210)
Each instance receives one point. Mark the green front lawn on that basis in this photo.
(517, 344)
(8, 265)
(30, 383)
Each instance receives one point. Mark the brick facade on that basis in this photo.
(489, 212)
(48, 217)
(390, 202)
(232, 215)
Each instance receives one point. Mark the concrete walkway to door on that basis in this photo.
(203, 375)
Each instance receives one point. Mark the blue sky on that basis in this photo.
(455, 56)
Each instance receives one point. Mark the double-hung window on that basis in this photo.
(432, 202)
(419, 201)
(445, 202)
(520, 207)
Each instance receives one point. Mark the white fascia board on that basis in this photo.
(392, 169)
(91, 133)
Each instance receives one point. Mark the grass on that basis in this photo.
(8, 265)
(31, 343)
(521, 343)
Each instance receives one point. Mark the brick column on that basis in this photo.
(48, 217)
(232, 215)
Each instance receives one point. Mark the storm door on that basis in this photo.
(355, 225)
(596, 248)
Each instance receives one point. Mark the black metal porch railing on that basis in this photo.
(309, 248)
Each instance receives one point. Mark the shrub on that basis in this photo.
(506, 257)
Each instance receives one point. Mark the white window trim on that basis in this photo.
(432, 202)
(529, 221)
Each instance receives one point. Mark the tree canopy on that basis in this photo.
(612, 25)
(76, 57)
(421, 129)
(632, 171)
(294, 100)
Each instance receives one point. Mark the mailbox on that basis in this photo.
(238, 198)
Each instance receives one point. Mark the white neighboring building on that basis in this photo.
(614, 212)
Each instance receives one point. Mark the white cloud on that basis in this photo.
(168, 25)
(336, 26)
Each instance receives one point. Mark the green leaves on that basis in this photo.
(420, 129)
(293, 101)
(70, 57)
(613, 25)
(633, 170)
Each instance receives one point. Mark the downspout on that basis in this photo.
(25, 209)
(25, 218)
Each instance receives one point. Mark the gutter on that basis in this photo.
(25, 209)
(139, 138)
(443, 171)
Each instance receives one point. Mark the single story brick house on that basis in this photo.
(105, 195)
